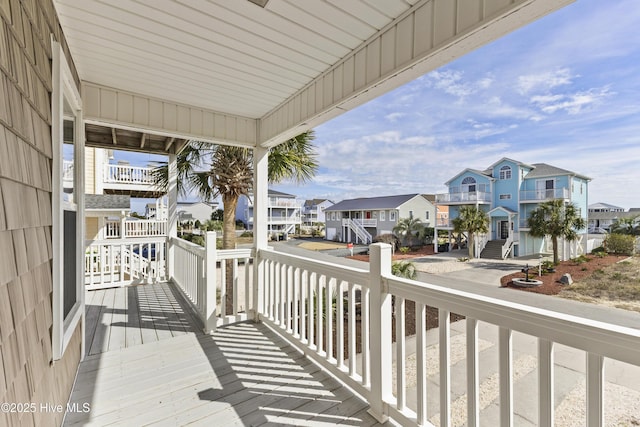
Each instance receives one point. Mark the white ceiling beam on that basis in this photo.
(122, 109)
(113, 136)
(430, 34)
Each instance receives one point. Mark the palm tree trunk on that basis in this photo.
(471, 245)
(554, 242)
(230, 202)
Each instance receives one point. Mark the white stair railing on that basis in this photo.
(361, 233)
(506, 247)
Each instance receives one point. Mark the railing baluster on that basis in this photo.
(223, 288)
(595, 390)
(248, 282)
(352, 329)
(421, 368)
(329, 317)
(288, 298)
(444, 333)
(304, 279)
(473, 374)
(313, 292)
(296, 306)
(319, 314)
(366, 347)
(235, 286)
(545, 383)
(340, 324)
(505, 360)
(401, 393)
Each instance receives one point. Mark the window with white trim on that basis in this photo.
(505, 197)
(469, 185)
(67, 203)
(392, 216)
(426, 215)
(505, 172)
(382, 216)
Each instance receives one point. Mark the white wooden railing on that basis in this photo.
(464, 197)
(202, 281)
(357, 227)
(481, 241)
(291, 298)
(506, 247)
(135, 228)
(125, 174)
(539, 195)
(110, 263)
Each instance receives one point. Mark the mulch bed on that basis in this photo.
(399, 256)
(551, 281)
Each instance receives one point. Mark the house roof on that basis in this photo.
(430, 198)
(544, 170)
(275, 193)
(601, 205)
(486, 173)
(509, 160)
(107, 202)
(612, 215)
(384, 202)
(315, 202)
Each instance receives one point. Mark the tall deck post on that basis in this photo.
(380, 328)
(260, 227)
(172, 213)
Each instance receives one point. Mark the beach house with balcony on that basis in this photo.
(359, 220)
(313, 211)
(508, 191)
(284, 213)
(166, 352)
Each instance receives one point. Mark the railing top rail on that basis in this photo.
(234, 253)
(189, 246)
(339, 272)
(127, 241)
(608, 340)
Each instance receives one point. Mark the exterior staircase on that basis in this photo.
(493, 249)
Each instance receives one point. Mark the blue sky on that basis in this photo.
(564, 90)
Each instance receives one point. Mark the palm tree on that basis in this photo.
(408, 228)
(630, 226)
(471, 220)
(404, 269)
(556, 220)
(227, 171)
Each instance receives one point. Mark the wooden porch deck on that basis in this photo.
(148, 363)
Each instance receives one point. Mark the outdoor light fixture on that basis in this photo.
(261, 3)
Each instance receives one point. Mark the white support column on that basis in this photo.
(172, 213)
(380, 324)
(210, 289)
(595, 390)
(260, 224)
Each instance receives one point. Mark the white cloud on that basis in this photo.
(544, 81)
(393, 117)
(571, 103)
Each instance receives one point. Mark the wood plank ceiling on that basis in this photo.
(230, 56)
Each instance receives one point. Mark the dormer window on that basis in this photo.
(505, 172)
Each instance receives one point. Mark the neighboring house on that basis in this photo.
(359, 220)
(603, 215)
(508, 191)
(103, 215)
(284, 212)
(313, 211)
(195, 211)
(157, 210)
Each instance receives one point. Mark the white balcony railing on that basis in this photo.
(198, 277)
(468, 197)
(293, 299)
(541, 195)
(126, 174)
(135, 228)
(123, 262)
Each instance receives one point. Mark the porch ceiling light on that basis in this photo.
(261, 3)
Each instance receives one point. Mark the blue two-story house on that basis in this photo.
(508, 191)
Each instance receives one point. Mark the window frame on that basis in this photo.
(64, 89)
(505, 172)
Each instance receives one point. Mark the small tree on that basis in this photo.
(471, 220)
(408, 228)
(217, 215)
(556, 220)
(629, 226)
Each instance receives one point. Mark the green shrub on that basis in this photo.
(404, 269)
(580, 259)
(599, 250)
(404, 249)
(622, 244)
(247, 234)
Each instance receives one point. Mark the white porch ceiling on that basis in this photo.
(229, 71)
(226, 55)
